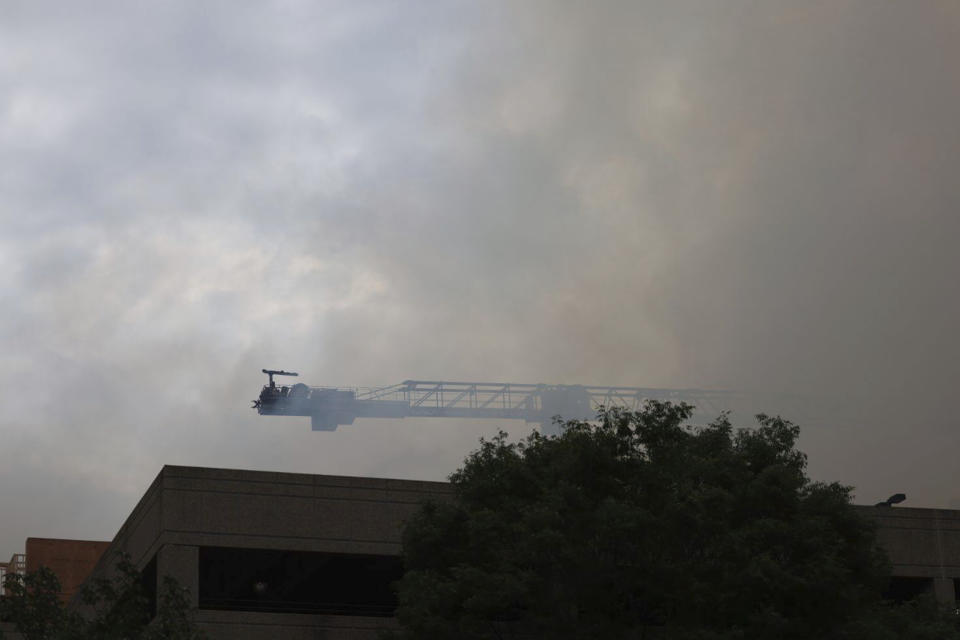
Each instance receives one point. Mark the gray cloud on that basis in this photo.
(744, 195)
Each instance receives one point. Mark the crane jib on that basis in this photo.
(329, 407)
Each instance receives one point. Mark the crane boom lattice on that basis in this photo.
(329, 407)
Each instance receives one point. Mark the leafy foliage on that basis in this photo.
(33, 605)
(641, 527)
(919, 619)
(114, 608)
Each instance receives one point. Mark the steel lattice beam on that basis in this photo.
(329, 407)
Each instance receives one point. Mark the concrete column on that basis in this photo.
(182, 563)
(943, 590)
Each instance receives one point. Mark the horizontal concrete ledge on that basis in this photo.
(906, 514)
(286, 620)
(275, 478)
(924, 571)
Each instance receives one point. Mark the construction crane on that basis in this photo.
(330, 407)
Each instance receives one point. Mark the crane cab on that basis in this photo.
(273, 399)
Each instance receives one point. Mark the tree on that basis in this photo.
(641, 527)
(33, 605)
(114, 608)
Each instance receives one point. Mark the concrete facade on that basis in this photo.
(923, 544)
(187, 512)
(16, 565)
(188, 509)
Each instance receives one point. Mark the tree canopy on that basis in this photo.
(639, 526)
(113, 608)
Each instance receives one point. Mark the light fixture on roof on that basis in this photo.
(896, 498)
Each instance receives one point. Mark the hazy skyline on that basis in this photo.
(745, 195)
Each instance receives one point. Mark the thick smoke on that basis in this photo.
(740, 195)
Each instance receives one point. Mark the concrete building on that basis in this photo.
(17, 565)
(275, 555)
(280, 555)
(924, 549)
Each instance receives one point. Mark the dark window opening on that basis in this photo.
(298, 581)
(148, 582)
(903, 589)
(956, 589)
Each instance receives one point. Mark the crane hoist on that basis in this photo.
(330, 407)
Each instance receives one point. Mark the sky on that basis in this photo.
(760, 196)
